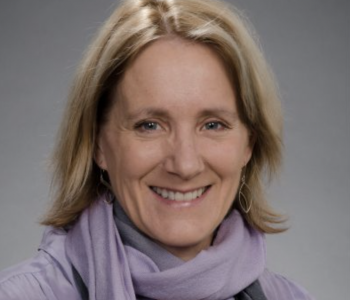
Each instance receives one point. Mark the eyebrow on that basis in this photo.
(147, 112)
(161, 113)
(219, 112)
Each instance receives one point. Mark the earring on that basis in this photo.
(243, 201)
(103, 180)
(109, 198)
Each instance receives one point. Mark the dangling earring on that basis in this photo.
(245, 204)
(109, 198)
(103, 180)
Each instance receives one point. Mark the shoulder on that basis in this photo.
(23, 281)
(44, 276)
(277, 287)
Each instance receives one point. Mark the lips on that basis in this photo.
(179, 196)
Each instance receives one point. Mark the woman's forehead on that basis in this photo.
(175, 70)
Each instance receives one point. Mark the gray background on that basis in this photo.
(307, 44)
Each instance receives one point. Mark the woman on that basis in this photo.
(173, 119)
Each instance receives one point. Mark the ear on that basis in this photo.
(99, 152)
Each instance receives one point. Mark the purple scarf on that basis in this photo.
(111, 270)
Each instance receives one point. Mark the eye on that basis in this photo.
(147, 126)
(214, 126)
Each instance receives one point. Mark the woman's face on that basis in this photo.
(173, 144)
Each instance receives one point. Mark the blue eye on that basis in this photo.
(214, 126)
(148, 126)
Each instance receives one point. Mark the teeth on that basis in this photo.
(195, 194)
(177, 196)
(188, 197)
(200, 192)
(164, 194)
(171, 195)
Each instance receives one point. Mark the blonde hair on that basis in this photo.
(135, 24)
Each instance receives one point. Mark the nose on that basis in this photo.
(184, 158)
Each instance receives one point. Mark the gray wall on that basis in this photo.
(307, 43)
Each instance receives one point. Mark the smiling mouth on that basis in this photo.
(178, 196)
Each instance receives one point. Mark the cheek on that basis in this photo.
(226, 157)
(133, 159)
